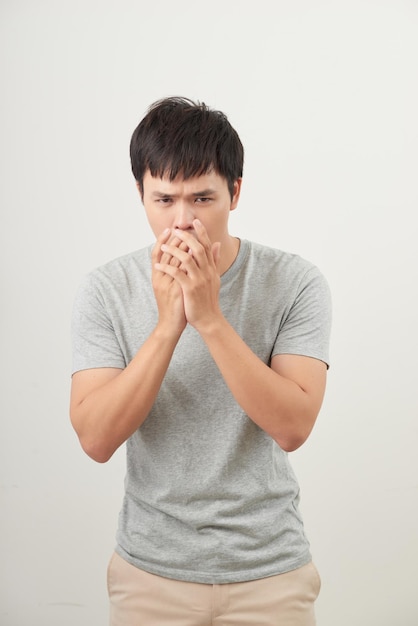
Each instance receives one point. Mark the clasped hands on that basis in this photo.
(186, 280)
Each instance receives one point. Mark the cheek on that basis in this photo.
(158, 223)
(215, 220)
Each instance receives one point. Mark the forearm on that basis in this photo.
(276, 404)
(109, 414)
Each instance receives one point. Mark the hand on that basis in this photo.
(195, 272)
(167, 291)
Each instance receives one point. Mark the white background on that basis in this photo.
(324, 96)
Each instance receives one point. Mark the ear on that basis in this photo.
(236, 194)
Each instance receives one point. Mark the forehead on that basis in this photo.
(210, 180)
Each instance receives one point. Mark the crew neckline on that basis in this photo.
(234, 268)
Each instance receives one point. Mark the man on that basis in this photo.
(207, 355)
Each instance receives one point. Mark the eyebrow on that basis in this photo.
(160, 194)
(205, 192)
(196, 194)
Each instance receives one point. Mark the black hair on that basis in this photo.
(178, 136)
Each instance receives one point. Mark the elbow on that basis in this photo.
(293, 436)
(290, 444)
(291, 441)
(96, 447)
(95, 451)
(91, 444)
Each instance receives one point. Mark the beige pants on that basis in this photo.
(138, 598)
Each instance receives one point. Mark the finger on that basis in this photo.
(216, 252)
(199, 244)
(166, 236)
(179, 255)
(175, 273)
(174, 260)
(166, 257)
(202, 234)
(162, 238)
(193, 242)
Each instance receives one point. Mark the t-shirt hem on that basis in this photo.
(79, 367)
(217, 578)
(302, 352)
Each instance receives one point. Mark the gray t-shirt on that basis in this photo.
(209, 496)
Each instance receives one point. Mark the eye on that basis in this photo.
(203, 200)
(164, 200)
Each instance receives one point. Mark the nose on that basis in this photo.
(184, 216)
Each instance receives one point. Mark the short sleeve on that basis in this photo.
(307, 326)
(94, 341)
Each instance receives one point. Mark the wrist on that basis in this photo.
(211, 326)
(166, 333)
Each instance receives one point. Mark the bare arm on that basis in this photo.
(284, 399)
(108, 404)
